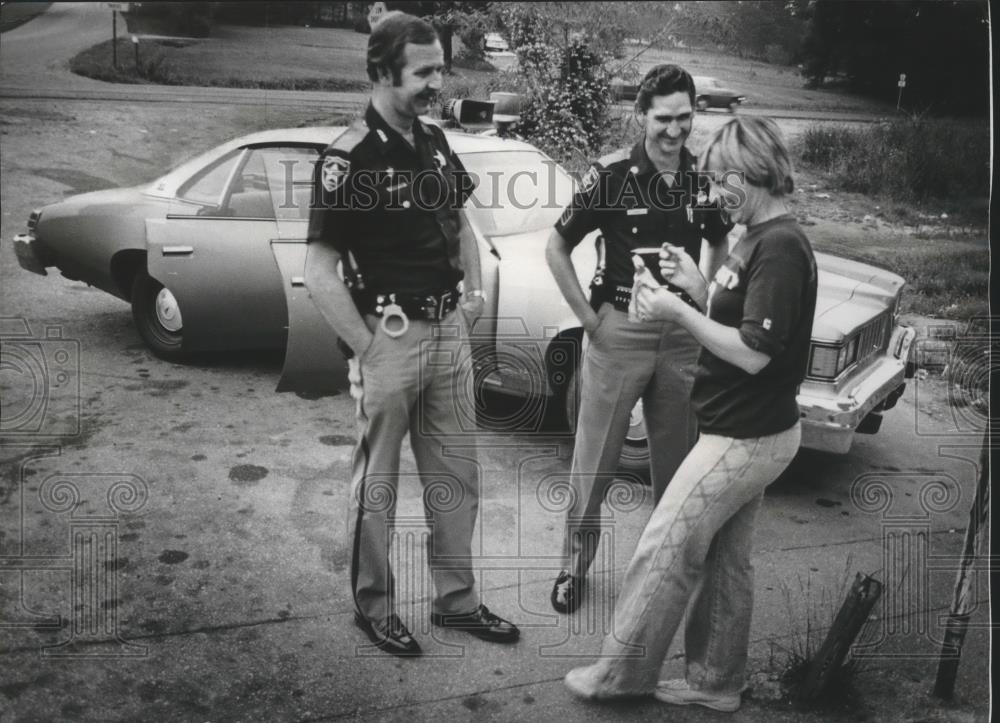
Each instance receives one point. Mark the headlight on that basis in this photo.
(823, 362)
(827, 362)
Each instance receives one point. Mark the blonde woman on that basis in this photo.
(755, 340)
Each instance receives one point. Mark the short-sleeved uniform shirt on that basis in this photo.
(392, 205)
(632, 203)
(767, 290)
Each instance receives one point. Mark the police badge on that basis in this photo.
(335, 170)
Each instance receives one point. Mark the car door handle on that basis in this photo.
(178, 250)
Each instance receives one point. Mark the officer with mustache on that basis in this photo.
(387, 209)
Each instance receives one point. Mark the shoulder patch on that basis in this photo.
(335, 170)
(590, 179)
(350, 138)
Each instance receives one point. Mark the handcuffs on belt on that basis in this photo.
(391, 311)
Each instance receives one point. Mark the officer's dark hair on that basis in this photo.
(388, 41)
(663, 80)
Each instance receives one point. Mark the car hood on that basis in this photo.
(850, 293)
(528, 291)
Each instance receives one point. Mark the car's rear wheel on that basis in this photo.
(702, 103)
(157, 317)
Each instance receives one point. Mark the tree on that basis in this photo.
(568, 53)
(761, 29)
(468, 20)
(942, 47)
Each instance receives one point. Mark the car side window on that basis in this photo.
(289, 171)
(208, 185)
(250, 195)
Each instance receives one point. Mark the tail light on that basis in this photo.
(36, 214)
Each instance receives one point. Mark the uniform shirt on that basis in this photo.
(630, 201)
(767, 290)
(392, 205)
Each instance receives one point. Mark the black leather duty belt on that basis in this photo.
(431, 307)
(621, 296)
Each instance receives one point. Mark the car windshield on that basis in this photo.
(517, 191)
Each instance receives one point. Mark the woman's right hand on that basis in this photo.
(679, 269)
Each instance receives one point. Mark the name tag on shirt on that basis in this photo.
(637, 212)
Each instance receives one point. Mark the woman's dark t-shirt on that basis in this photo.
(767, 290)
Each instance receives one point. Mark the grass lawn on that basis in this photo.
(766, 85)
(285, 57)
(13, 14)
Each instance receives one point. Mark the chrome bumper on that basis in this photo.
(829, 422)
(29, 255)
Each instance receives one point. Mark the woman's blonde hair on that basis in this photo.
(755, 148)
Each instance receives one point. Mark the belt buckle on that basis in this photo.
(429, 307)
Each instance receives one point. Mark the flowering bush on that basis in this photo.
(565, 86)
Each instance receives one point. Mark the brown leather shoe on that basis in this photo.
(481, 623)
(390, 636)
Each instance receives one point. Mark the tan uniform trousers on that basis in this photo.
(624, 362)
(420, 382)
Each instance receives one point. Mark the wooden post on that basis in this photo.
(822, 670)
(961, 605)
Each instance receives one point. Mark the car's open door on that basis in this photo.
(313, 363)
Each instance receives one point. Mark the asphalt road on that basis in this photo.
(223, 503)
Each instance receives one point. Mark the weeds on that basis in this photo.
(915, 159)
(788, 663)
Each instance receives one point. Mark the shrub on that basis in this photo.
(912, 159)
(565, 87)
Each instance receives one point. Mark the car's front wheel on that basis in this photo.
(157, 317)
(635, 451)
(734, 106)
(702, 103)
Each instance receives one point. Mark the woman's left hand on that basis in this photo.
(657, 304)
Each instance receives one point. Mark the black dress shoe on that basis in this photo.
(390, 636)
(481, 623)
(567, 592)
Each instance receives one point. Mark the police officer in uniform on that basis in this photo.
(640, 197)
(386, 212)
